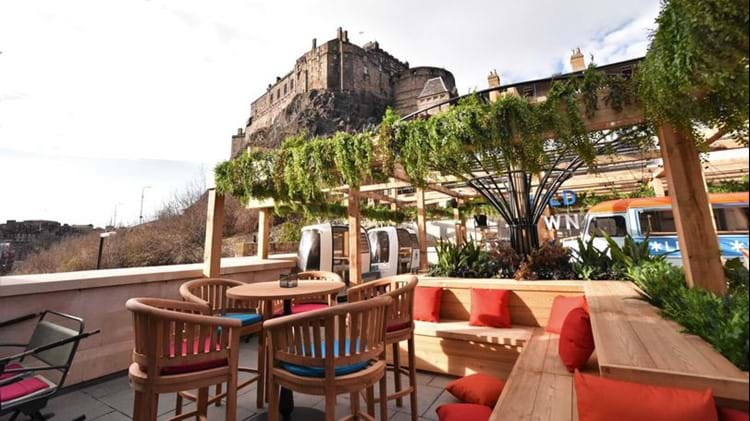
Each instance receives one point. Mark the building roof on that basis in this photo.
(622, 205)
(434, 86)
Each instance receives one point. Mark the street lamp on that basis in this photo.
(102, 236)
(143, 193)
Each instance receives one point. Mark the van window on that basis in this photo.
(657, 222)
(613, 226)
(732, 219)
(380, 246)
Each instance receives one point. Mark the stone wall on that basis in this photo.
(409, 85)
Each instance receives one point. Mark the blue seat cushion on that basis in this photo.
(246, 318)
(307, 371)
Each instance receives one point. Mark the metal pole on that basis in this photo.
(143, 192)
(99, 258)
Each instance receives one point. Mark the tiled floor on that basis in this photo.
(112, 399)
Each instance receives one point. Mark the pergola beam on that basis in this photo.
(214, 231)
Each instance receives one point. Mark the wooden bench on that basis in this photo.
(540, 387)
(453, 347)
(634, 343)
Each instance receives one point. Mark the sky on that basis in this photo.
(99, 98)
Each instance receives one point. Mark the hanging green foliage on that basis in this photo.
(696, 70)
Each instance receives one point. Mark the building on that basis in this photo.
(367, 73)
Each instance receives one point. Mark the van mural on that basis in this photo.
(653, 218)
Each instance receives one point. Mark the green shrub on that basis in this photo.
(506, 259)
(590, 263)
(630, 254)
(550, 261)
(720, 321)
(737, 276)
(463, 261)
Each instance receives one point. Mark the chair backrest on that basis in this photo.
(47, 332)
(212, 292)
(401, 290)
(351, 333)
(172, 333)
(314, 275)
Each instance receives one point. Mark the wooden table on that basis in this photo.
(267, 291)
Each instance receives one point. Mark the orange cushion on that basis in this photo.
(576, 340)
(726, 414)
(490, 307)
(427, 304)
(601, 399)
(479, 388)
(463, 412)
(561, 306)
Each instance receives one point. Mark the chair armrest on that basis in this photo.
(19, 319)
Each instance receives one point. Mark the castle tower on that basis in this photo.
(577, 62)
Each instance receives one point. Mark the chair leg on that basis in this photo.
(371, 400)
(273, 397)
(383, 399)
(231, 406)
(330, 405)
(202, 403)
(153, 407)
(397, 373)
(413, 379)
(178, 404)
(354, 399)
(261, 371)
(218, 392)
(140, 406)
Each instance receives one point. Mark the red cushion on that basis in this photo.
(301, 308)
(393, 327)
(22, 388)
(561, 306)
(463, 412)
(479, 388)
(601, 399)
(490, 307)
(726, 414)
(14, 366)
(427, 304)
(191, 367)
(576, 340)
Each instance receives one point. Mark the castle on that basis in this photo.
(357, 84)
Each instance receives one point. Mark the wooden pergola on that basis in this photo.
(682, 169)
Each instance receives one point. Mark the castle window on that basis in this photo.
(529, 91)
(291, 84)
(285, 89)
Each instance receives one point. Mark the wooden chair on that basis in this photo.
(212, 292)
(327, 352)
(179, 346)
(400, 327)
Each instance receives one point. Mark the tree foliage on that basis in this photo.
(696, 71)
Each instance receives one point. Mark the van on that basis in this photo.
(653, 218)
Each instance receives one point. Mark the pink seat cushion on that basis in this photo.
(192, 367)
(22, 388)
(393, 327)
(10, 366)
(301, 308)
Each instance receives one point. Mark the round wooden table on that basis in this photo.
(267, 291)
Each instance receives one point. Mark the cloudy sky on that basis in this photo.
(100, 98)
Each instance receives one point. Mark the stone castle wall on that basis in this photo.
(339, 65)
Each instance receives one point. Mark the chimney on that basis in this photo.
(577, 63)
(346, 36)
(315, 43)
(339, 34)
(493, 79)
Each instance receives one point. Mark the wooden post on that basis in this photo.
(460, 225)
(394, 195)
(421, 230)
(696, 230)
(355, 270)
(214, 229)
(264, 231)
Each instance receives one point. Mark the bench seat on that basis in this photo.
(453, 347)
(540, 387)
